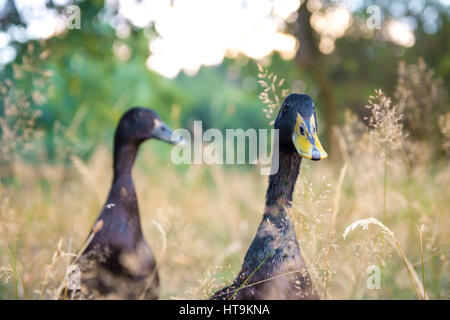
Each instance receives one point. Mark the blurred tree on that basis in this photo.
(311, 60)
(100, 70)
(347, 62)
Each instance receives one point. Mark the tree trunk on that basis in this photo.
(310, 59)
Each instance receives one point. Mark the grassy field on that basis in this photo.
(388, 193)
(201, 220)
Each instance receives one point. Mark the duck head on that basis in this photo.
(297, 124)
(139, 124)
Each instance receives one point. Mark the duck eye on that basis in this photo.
(286, 107)
(302, 130)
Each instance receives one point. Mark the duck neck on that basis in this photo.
(282, 183)
(124, 157)
(123, 187)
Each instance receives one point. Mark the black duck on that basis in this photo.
(273, 266)
(117, 262)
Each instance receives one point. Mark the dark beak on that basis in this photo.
(162, 132)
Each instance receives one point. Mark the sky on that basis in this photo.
(196, 33)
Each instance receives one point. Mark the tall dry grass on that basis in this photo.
(200, 221)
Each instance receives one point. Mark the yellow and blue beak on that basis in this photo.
(305, 139)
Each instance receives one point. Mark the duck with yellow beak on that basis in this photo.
(273, 266)
(297, 118)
